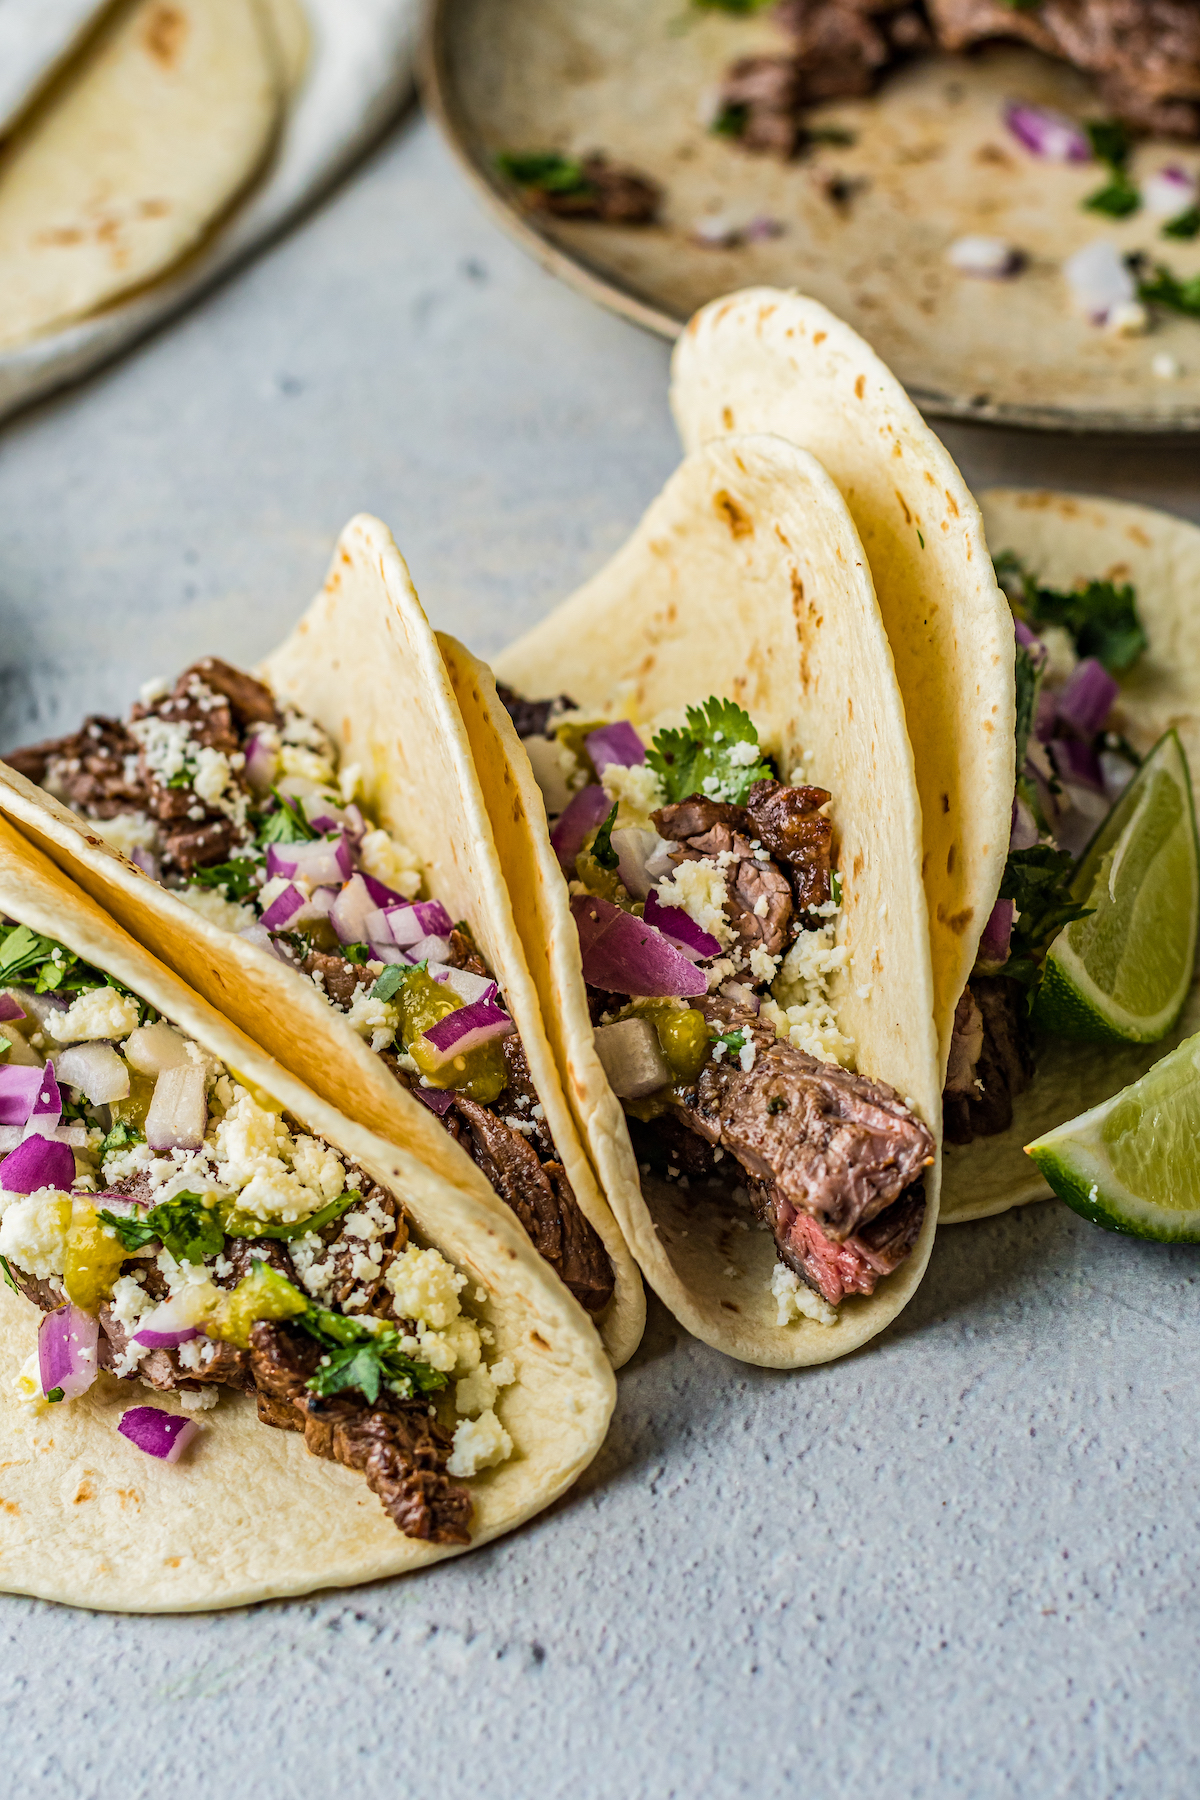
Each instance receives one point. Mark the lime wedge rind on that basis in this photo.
(1071, 1003)
(1163, 1147)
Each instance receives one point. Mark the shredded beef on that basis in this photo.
(531, 718)
(834, 1144)
(991, 1059)
(340, 978)
(690, 818)
(464, 954)
(250, 701)
(395, 1443)
(542, 1198)
(855, 1264)
(94, 770)
(615, 196)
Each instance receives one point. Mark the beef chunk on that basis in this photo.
(758, 898)
(94, 770)
(520, 1097)
(834, 1144)
(220, 1365)
(767, 93)
(692, 817)
(787, 822)
(853, 1266)
(542, 1198)
(464, 953)
(187, 847)
(613, 195)
(250, 701)
(531, 718)
(666, 1143)
(400, 1449)
(340, 978)
(991, 1059)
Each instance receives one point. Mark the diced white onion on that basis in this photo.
(152, 1048)
(632, 1058)
(989, 257)
(97, 1070)
(178, 1114)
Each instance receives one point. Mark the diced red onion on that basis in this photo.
(99, 1072)
(146, 861)
(322, 862)
(1087, 699)
(36, 1163)
(18, 1090)
(428, 949)
(467, 986)
(356, 827)
(323, 814)
(284, 907)
(737, 990)
(625, 955)
(465, 1030)
(1029, 640)
(174, 1322)
(1045, 716)
(632, 1057)
(258, 934)
(178, 1112)
(9, 1009)
(618, 743)
(381, 894)
(42, 1007)
(1169, 190)
(1024, 833)
(262, 764)
(1047, 134)
(158, 1433)
(587, 810)
(379, 937)
(1077, 763)
(67, 1340)
(994, 943)
(46, 1110)
(413, 920)
(350, 910)
(681, 928)
(634, 845)
(438, 1100)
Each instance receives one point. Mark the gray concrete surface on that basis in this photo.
(959, 1563)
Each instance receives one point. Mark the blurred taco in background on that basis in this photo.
(703, 799)
(313, 855)
(195, 1249)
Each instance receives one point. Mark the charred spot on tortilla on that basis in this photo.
(735, 516)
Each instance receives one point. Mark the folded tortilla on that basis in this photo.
(747, 580)
(88, 1519)
(365, 664)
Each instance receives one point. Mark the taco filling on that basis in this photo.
(182, 1233)
(238, 806)
(704, 889)
(1072, 765)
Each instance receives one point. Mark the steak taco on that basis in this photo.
(309, 849)
(726, 922)
(247, 1348)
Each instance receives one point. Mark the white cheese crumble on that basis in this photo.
(100, 1013)
(743, 754)
(699, 888)
(298, 762)
(794, 1299)
(478, 1444)
(129, 1302)
(390, 862)
(425, 1287)
(374, 1019)
(212, 774)
(166, 746)
(226, 915)
(800, 1009)
(33, 1232)
(127, 832)
(636, 790)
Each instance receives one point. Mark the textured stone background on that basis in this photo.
(959, 1563)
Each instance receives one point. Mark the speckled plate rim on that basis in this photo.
(440, 97)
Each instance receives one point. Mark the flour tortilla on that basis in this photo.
(132, 155)
(1065, 538)
(248, 1513)
(745, 579)
(765, 360)
(364, 663)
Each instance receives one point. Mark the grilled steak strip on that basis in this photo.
(853, 1266)
(93, 770)
(400, 1449)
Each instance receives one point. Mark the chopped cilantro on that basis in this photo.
(732, 1040)
(776, 1104)
(835, 887)
(120, 1137)
(602, 848)
(1184, 225)
(1110, 141)
(393, 979)
(189, 1229)
(358, 954)
(1038, 881)
(8, 1275)
(1117, 199)
(285, 826)
(1111, 144)
(357, 1357)
(238, 878)
(55, 1395)
(244, 1225)
(182, 779)
(1166, 289)
(5, 1043)
(1101, 617)
(545, 171)
(700, 759)
(731, 120)
(30, 960)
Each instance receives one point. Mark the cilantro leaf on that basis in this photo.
(8, 1276)
(1117, 200)
(1038, 881)
(602, 848)
(731, 120)
(1185, 225)
(703, 758)
(1167, 290)
(393, 979)
(545, 171)
(732, 1040)
(55, 1395)
(245, 1225)
(357, 1357)
(120, 1137)
(239, 877)
(1110, 141)
(1101, 617)
(287, 825)
(28, 959)
(190, 1230)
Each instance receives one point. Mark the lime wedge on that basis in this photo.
(1123, 973)
(1132, 1164)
